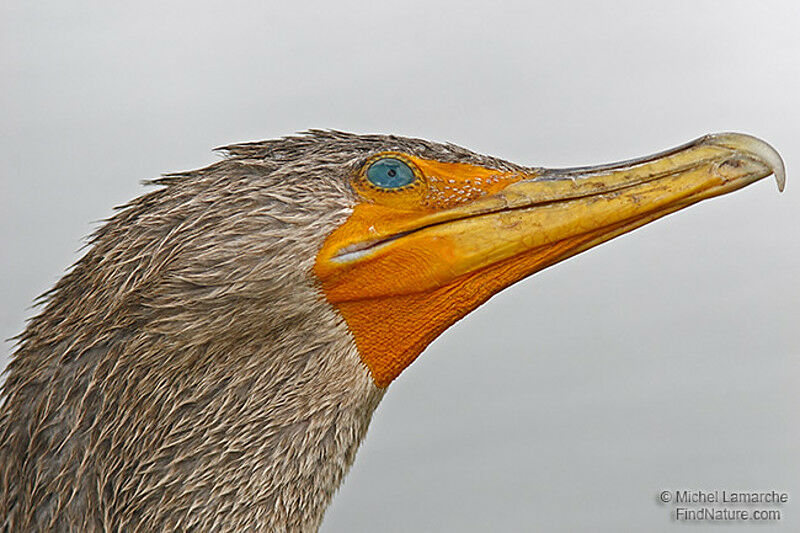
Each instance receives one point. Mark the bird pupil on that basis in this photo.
(392, 172)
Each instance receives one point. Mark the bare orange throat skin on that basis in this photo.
(391, 332)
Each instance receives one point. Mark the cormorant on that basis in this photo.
(213, 361)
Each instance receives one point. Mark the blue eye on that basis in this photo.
(390, 173)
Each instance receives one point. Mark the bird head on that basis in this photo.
(216, 355)
(410, 235)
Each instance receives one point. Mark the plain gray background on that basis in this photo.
(666, 359)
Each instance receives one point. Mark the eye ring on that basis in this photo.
(390, 172)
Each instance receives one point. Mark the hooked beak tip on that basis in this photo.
(754, 148)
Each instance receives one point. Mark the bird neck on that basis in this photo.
(253, 431)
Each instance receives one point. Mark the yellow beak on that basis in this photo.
(562, 212)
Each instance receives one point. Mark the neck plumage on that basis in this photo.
(187, 374)
(156, 426)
